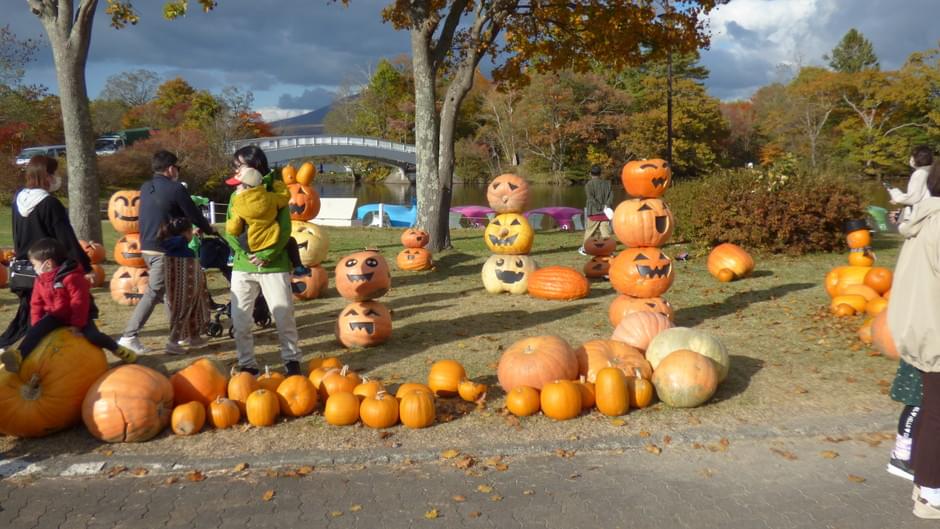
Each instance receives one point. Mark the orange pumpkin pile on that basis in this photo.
(415, 257)
(312, 241)
(508, 236)
(642, 272)
(362, 277)
(129, 281)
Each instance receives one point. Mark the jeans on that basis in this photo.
(49, 323)
(156, 290)
(275, 286)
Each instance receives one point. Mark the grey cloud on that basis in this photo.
(310, 99)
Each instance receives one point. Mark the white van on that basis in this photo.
(54, 151)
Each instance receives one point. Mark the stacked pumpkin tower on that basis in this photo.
(130, 280)
(509, 236)
(312, 241)
(415, 257)
(601, 252)
(642, 272)
(361, 278)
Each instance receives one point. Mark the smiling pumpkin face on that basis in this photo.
(507, 273)
(364, 324)
(508, 193)
(124, 211)
(643, 222)
(598, 266)
(641, 272)
(414, 238)
(362, 276)
(414, 260)
(312, 242)
(128, 285)
(600, 246)
(127, 251)
(646, 178)
(509, 233)
(304, 202)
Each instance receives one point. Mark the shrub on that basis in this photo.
(770, 211)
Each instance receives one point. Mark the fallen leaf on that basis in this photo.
(140, 472)
(107, 453)
(464, 463)
(576, 475)
(474, 514)
(115, 470)
(566, 454)
(496, 497)
(513, 421)
(829, 454)
(240, 467)
(697, 446)
(502, 467)
(305, 470)
(528, 492)
(617, 422)
(485, 489)
(385, 434)
(667, 439)
(724, 442)
(170, 480)
(458, 498)
(450, 454)
(644, 434)
(355, 507)
(336, 514)
(268, 495)
(653, 449)
(789, 456)
(195, 475)
(707, 472)
(856, 479)
(431, 515)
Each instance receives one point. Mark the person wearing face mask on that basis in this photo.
(37, 214)
(920, 162)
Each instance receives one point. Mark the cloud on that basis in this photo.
(311, 98)
(274, 113)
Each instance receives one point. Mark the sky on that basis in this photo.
(295, 54)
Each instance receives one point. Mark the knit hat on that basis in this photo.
(246, 175)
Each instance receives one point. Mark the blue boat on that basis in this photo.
(394, 215)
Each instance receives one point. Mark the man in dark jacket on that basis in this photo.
(599, 199)
(161, 198)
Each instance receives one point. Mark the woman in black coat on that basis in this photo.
(37, 214)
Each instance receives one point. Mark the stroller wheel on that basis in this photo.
(214, 329)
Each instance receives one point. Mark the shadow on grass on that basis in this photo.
(692, 316)
(762, 273)
(743, 368)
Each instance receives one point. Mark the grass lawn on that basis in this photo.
(789, 358)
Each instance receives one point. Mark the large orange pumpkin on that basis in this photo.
(881, 336)
(598, 266)
(641, 272)
(600, 246)
(595, 355)
(364, 324)
(414, 260)
(646, 178)
(879, 279)
(304, 202)
(535, 362)
(46, 395)
(559, 283)
(94, 250)
(313, 243)
(128, 284)
(202, 381)
(127, 251)
(128, 404)
(124, 211)
(415, 238)
(730, 257)
(643, 222)
(362, 276)
(623, 305)
(685, 379)
(508, 193)
(509, 233)
(639, 328)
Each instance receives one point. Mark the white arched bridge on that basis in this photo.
(282, 149)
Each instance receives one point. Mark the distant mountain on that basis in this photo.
(310, 123)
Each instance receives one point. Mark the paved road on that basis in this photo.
(786, 483)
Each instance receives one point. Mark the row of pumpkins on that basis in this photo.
(66, 380)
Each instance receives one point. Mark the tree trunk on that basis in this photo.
(427, 181)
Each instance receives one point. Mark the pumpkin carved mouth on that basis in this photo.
(661, 224)
(659, 182)
(508, 276)
(410, 257)
(132, 255)
(362, 326)
(303, 245)
(128, 218)
(296, 209)
(355, 278)
(503, 242)
(133, 296)
(649, 271)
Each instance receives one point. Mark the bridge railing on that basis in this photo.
(292, 142)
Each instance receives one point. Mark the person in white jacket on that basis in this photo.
(921, 160)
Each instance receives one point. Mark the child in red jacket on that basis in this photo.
(61, 297)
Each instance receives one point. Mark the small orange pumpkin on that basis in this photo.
(646, 178)
(224, 413)
(731, 257)
(304, 203)
(296, 396)
(415, 238)
(362, 276)
(124, 211)
(560, 400)
(595, 355)
(379, 411)
(127, 251)
(240, 385)
(597, 267)
(364, 324)
(94, 250)
(306, 173)
(188, 419)
(368, 388)
(640, 389)
(611, 393)
(523, 401)
(339, 381)
(129, 284)
(445, 376)
(414, 260)
(559, 283)
(508, 193)
(417, 410)
(262, 408)
(588, 394)
(600, 246)
(289, 174)
(341, 409)
(471, 391)
(329, 362)
(270, 380)
(409, 387)
(861, 257)
(858, 239)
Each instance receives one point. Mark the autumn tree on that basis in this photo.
(453, 36)
(133, 88)
(15, 54)
(853, 54)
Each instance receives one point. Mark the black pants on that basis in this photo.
(20, 323)
(907, 423)
(49, 323)
(927, 450)
(293, 251)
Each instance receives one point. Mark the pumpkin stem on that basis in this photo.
(344, 370)
(31, 390)
(637, 373)
(380, 394)
(267, 371)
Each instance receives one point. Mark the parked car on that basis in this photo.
(55, 151)
(112, 142)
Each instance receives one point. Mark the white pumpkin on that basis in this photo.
(312, 242)
(508, 273)
(701, 342)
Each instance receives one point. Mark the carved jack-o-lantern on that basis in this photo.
(646, 178)
(312, 286)
(312, 242)
(643, 222)
(127, 251)
(124, 211)
(598, 266)
(507, 273)
(623, 305)
(364, 324)
(362, 276)
(128, 284)
(509, 233)
(600, 246)
(94, 250)
(414, 259)
(508, 193)
(415, 238)
(304, 202)
(641, 272)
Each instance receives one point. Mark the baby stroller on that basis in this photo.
(214, 253)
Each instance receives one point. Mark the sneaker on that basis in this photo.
(125, 354)
(133, 343)
(194, 343)
(581, 251)
(173, 348)
(217, 307)
(292, 368)
(253, 370)
(11, 360)
(923, 509)
(901, 469)
(915, 494)
(301, 271)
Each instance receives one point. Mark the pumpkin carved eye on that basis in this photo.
(515, 222)
(500, 262)
(519, 263)
(351, 263)
(644, 207)
(135, 201)
(512, 187)
(640, 257)
(371, 312)
(351, 312)
(122, 199)
(125, 275)
(372, 262)
(496, 222)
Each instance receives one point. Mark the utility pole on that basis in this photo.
(669, 108)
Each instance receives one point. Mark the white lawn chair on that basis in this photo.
(337, 212)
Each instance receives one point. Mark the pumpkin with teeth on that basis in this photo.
(312, 286)
(643, 222)
(623, 305)
(304, 203)
(362, 276)
(641, 272)
(646, 178)
(128, 284)
(507, 273)
(127, 251)
(414, 260)
(509, 233)
(414, 238)
(124, 211)
(364, 324)
(507, 193)
(598, 266)
(600, 246)
(312, 242)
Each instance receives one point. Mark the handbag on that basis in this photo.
(22, 275)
